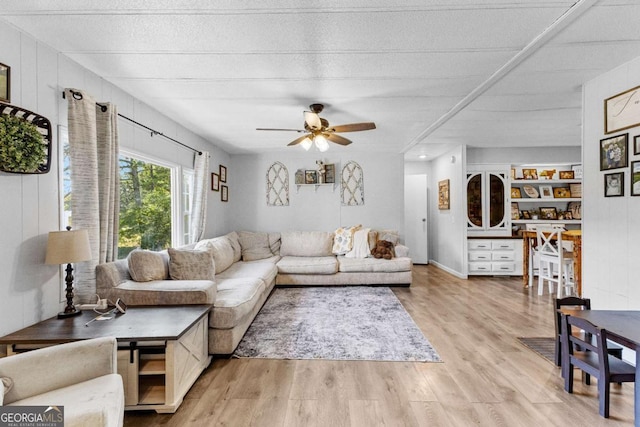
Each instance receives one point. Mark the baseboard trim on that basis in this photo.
(448, 270)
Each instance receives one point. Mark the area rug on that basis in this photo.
(335, 323)
(544, 346)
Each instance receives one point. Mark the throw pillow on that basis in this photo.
(6, 384)
(235, 244)
(191, 264)
(255, 245)
(343, 239)
(222, 251)
(145, 266)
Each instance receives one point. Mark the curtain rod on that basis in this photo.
(78, 96)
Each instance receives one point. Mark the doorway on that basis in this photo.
(416, 222)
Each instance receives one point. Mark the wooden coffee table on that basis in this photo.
(162, 350)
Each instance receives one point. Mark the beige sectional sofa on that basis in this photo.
(247, 267)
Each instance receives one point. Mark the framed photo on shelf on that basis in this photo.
(516, 193)
(621, 111)
(636, 144)
(515, 211)
(223, 173)
(613, 152)
(548, 213)
(299, 176)
(530, 173)
(310, 176)
(443, 194)
(635, 178)
(614, 184)
(215, 181)
(561, 192)
(546, 192)
(525, 215)
(5, 83)
(566, 174)
(577, 171)
(224, 194)
(330, 173)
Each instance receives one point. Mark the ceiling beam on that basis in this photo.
(566, 19)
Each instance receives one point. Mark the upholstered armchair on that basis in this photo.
(81, 376)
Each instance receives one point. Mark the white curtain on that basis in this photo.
(95, 183)
(199, 201)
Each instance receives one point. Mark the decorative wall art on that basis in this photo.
(622, 111)
(223, 173)
(516, 193)
(548, 213)
(566, 174)
(530, 173)
(215, 181)
(635, 178)
(515, 211)
(352, 184)
(636, 145)
(5, 83)
(613, 152)
(277, 185)
(561, 192)
(330, 173)
(614, 184)
(224, 193)
(310, 176)
(443, 194)
(25, 141)
(299, 177)
(546, 192)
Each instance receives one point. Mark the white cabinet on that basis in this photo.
(495, 257)
(487, 200)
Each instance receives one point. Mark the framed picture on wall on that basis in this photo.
(614, 152)
(635, 178)
(224, 193)
(614, 184)
(5, 83)
(622, 111)
(443, 194)
(636, 145)
(215, 181)
(223, 173)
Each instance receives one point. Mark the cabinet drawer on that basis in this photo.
(502, 245)
(479, 256)
(503, 256)
(479, 245)
(479, 267)
(503, 267)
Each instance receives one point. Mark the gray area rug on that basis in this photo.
(544, 346)
(335, 323)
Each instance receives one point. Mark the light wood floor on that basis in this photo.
(487, 378)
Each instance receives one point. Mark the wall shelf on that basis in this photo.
(315, 186)
(546, 221)
(552, 200)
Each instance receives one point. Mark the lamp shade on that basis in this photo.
(67, 247)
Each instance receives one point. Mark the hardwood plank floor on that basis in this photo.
(487, 377)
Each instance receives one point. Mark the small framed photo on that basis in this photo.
(224, 193)
(561, 193)
(223, 173)
(577, 171)
(622, 111)
(613, 152)
(566, 174)
(443, 194)
(5, 83)
(299, 177)
(515, 211)
(614, 184)
(525, 215)
(530, 173)
(636, 145)
(546, 192)
(516, 193)
(635, 178)
(310, 177)
(548, 213)
(215, 181)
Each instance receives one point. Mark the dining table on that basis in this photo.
(623, 327)
(574, 236)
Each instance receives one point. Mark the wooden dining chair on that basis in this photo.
(593, 359)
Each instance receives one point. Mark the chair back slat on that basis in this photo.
(597, 345)
(549, 241)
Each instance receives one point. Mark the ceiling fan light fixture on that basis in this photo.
(306, 143)
(321, 143)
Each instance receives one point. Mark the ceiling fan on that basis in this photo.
(318, 131)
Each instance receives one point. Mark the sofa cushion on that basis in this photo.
(236, 298)
(255, 245)
(5, 386)
(167, 292)
(306, 243)
(222, 251)
(343, 239)
(373, 265)
(265, 271)
(191, 264)
(308, 265)
(145, 266)
(84, 401)
(234, 239)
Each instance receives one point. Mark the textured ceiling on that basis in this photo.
(486, 73)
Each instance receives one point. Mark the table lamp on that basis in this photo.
(66, 247)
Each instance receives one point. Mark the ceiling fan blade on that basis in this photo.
(337, 139)
(312, 120)
(283, 130)
(353, 127)
(298, 140)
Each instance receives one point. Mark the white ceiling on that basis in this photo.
(429, 73)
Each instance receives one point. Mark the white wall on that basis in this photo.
(611, 233)
(447, 233)
(519, 155)
(321, 209)
(29, 290)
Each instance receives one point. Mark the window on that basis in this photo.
(155, 200)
